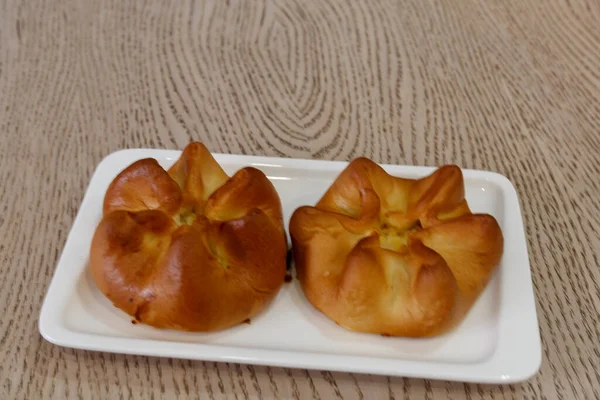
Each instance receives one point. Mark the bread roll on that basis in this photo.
(189, 248)
(394, 256)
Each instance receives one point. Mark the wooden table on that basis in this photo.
(510, 86)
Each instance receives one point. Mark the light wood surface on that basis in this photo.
(510, 86)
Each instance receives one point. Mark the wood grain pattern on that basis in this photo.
(510, 86)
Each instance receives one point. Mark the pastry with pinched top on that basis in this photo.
(190, 248)
(394, 256)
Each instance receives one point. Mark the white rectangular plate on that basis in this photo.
(498, 342)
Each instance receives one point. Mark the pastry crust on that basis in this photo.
(189, 248)
(394, 256)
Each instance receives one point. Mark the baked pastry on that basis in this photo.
(189, 248)
(394, 256)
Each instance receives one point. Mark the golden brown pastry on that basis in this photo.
(190, 249)
(394, 256)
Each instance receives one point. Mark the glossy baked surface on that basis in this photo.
(394, 256)
(189, 248)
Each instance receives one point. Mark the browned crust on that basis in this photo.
(191, 248)
(394, 256)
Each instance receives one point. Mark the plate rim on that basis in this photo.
(499, 368)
